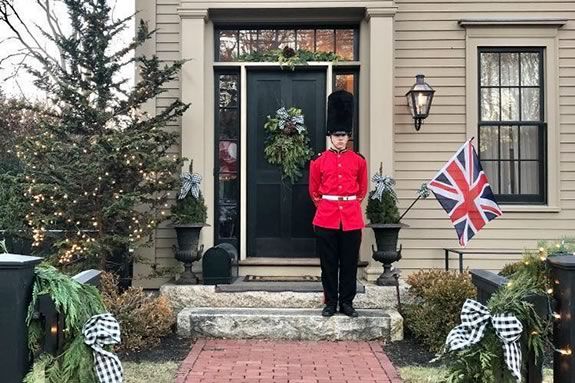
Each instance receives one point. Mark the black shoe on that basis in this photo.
(328, 311)
(347, 309)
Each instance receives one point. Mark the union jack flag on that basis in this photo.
(462, 189)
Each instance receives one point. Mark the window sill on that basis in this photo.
(530, 209)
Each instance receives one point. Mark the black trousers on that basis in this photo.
(338, 252)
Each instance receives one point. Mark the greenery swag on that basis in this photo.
(484, 361)
(288, 142)
(289, 57)
(77, 303)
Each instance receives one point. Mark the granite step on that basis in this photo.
(288, 323)
(196, 296)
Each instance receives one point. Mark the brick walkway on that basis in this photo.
(256, 361)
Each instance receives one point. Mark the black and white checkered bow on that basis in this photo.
(382, 184)
(190, 182)
(474, 319)
(101, 330)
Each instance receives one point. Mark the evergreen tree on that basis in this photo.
(100, 170)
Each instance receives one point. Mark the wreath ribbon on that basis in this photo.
(474, 319)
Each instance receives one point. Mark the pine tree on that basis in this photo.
(101, 170)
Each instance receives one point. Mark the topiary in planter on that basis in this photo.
(190, 210)
(382, 210)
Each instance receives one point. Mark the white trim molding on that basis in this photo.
(514, 32)
(555, 22)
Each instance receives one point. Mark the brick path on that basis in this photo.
(257, 361)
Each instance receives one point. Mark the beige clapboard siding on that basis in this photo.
(429, 40)
(427, 33)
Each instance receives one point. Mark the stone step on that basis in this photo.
(194, 296)
(292, 324)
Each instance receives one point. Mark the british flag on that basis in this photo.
(462, 189)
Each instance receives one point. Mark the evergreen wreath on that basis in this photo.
(287, 144)
(289, 57)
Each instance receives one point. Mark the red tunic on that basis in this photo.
(338, 174)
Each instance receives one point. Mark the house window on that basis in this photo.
(231, 44)
(348, 79)
(227, 159)
(512, 128)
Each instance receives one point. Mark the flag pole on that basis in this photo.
(410, 206)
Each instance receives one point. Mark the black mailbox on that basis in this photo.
(220, 264)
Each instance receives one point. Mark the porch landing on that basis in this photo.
(203, 311)
(216, 361)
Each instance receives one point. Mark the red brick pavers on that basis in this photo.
(259, 361)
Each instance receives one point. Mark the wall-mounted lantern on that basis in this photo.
(419, 100)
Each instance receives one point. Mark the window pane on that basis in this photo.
(509, 177)
(489, 69)
(286, 38)
(345, 82)
(344, 43)
(325, 40)
(530, 102)
(228, 222)
(228, 188)
(228, 91)
(248, 42)
(267, 40)
(491, 171)
(306, 39)
(530, 177)
(529, 142)
(229, 123)
(509, 142)
(530, 69)
(509, 104)
(228, 45)
(490, 104)
(228, 156)
(488, 142)
(509, 69)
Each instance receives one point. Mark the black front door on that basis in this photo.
(279, 213)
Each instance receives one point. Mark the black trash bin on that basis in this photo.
(220, 264)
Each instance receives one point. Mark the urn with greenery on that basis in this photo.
(385, 221)
(189, 216)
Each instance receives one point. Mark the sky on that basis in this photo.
(31, 13)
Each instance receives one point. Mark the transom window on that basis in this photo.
(512, 129)
(232, 43)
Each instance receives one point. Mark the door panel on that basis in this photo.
(279, 213)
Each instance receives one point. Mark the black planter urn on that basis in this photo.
(187, 250)
(387, 252)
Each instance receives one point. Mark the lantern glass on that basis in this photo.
(419, 98)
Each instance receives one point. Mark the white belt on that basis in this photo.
(339, 198)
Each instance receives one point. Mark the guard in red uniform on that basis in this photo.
(337, 185)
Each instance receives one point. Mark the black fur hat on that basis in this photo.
(339, 112)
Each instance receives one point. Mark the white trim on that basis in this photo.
(513, 21)
(521, 37)
(244, 66)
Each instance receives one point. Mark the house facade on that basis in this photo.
(503, 73)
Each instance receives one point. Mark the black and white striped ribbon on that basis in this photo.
(190, 182)
(101, 330)
(382, 184)
(474, 319)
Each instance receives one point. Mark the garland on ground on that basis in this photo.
(484, 362)
(288, 143)
(78, 303)
(288, 57)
